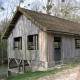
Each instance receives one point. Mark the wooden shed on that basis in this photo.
(41, 40)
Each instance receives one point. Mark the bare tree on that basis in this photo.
(11, 7)
(48, 6)
(1, 6)
(21, 1)
(63, 8)
(35, 6)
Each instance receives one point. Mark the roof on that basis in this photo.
(44, 22)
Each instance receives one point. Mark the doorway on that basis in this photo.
(57, 49)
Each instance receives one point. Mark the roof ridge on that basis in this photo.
(48, 15)
(44, 21)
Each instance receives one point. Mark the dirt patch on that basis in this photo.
(70, 74)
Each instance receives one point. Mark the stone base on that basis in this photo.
(47, 66)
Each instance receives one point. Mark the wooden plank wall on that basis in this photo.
(50, 47)
(23, 27)
(43, 46)
(77, 50)
(67, 47)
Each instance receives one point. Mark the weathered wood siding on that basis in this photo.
(77, 54)
(68, 49)
(43, 46)
(50, 47)
(45, 53)
(23, 28)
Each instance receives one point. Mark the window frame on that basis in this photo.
(35, 42)
(19, 47)
(76, 44)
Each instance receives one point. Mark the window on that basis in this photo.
(57, 45)
(77, 43)
(63, 0)
(18, 43)
(57, 41)
(32, 42)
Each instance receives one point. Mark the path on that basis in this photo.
(71, 74)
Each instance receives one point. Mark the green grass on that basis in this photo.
(38, 74)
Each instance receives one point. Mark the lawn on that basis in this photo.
(38, 74)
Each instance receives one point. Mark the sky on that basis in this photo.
(7, 4)
(8, 7)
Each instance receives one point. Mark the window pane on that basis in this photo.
(77, 43)
(30, 38)
(18, 43)
(32, 42)
(56, 45)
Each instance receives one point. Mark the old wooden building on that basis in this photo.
(41, 40)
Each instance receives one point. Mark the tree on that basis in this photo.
(21, 1)
(11, 7)
(3, 43)
(63, 8)
(48, 6)
(36, 5)
(1, 6)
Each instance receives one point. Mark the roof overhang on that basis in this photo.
(11, 24)
(21, 11)
(65, 33)
(14, 19)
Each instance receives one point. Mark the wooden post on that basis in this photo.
(2, 51)
(18, 68)
(9, 63)
(23, 63)
(18, 63)
(9, 72)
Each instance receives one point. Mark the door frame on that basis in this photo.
(58, 38)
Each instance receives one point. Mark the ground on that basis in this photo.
(65, 72)
(3, 71)
(69, 74)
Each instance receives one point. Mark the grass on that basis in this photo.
(38, 74)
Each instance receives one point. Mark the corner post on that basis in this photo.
(9, 72)
(23, 63)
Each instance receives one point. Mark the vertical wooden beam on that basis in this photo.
(23, 63)
(9, 63)
(34, 42)
(62, 50)
(9, 73)
(30, 64)
(18, 64)
(18, 68)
